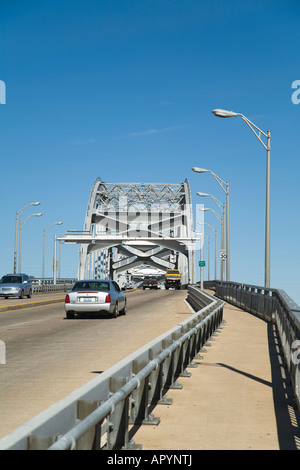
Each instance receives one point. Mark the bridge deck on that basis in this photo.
(239, 396)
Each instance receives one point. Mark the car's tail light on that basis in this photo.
(107, 299)
(67, 299)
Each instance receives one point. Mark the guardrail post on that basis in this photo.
(194, 343)
(156, 383)
(168, 367)
(91, 440)
(206, 332)
(204, 335)
(117, 435)
(187, 356)
(40, 442)
(139, 409)
(178, 361)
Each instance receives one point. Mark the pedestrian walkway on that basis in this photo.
(238, 397)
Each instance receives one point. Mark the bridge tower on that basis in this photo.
(131, 224)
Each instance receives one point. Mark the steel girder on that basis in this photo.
(137, 223)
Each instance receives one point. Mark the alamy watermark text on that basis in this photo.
(2, 92)
(296, 94)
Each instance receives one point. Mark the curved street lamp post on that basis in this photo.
(46, 230)
(18, 214)
(215, 233)
(223, 113)
(221, 220)
(21, 225)
(222, 208)
(201, 256)
(225, 186)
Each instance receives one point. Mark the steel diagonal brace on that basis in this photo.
(253, 127)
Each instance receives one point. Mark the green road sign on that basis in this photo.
(201, 263)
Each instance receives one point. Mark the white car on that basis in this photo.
(95, 296)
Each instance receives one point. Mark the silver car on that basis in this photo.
(15, 285)
(95, 296)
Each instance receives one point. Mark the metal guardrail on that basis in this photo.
(273, 305)
(51, 288)
(98, 414)
(46, 285)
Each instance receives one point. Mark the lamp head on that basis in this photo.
(199, 170)
(35, 203)
(203, 194)
(224, 113)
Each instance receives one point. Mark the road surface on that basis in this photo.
(48, 356)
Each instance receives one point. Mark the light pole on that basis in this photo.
(257, 131)
(46, 230)
(18, 214)
(208, 264)
(222, 208)
(221, 220)
(21, 225)
(225, 187)
(215, 233)
(201, 257)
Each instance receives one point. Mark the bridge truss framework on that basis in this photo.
(132, 224)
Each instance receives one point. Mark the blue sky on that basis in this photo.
(123, 90)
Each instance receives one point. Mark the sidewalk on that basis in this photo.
(238, 397)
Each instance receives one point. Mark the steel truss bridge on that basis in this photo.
(132, 224)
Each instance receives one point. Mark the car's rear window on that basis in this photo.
(91, 285)
(11, 280)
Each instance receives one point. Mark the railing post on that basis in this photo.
(139, 409)
(117, 435)
(92, 438)
(156, 382)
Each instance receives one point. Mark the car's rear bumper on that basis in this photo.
(86, 307)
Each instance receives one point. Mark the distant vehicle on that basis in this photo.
(15, 285)
(150, 283)
(95, 296)
(173, 279)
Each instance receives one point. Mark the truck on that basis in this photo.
(150, 283)
(173, 279)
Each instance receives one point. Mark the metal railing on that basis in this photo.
(51, 288)
(47, 285)
(273, 305)
(98, 414)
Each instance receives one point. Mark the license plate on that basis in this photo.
(87, 299)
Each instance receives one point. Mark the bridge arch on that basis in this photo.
(131, 224)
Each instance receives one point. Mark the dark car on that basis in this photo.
(150, 283)
(15, 285)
